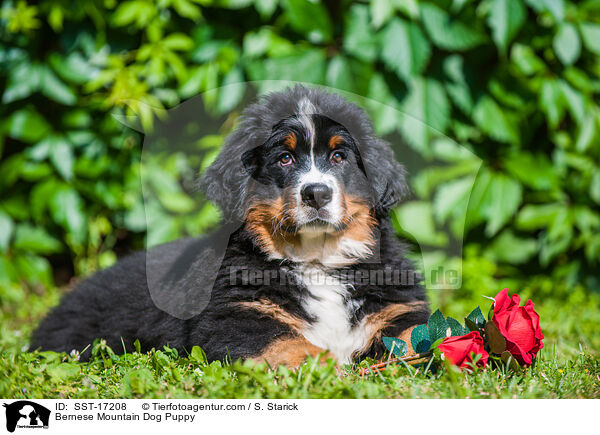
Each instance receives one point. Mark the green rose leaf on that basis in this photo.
(419, 339)
(456, 329)
(395, 346)
(438, 326)
(475, 319)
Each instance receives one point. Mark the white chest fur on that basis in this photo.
(332, 328)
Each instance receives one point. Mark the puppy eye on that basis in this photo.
(286, 159)
(337, 157)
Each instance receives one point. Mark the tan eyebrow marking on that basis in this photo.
(290, 141)
(335, 140)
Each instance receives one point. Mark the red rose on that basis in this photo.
(458, 350)
(520, 326)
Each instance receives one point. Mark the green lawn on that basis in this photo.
(568, 366)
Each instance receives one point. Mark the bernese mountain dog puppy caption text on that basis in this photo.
(306, 261)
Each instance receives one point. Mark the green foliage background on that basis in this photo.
(514, 81)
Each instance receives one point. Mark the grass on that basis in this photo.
(568, 366)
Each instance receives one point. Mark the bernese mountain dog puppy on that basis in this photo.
(310, 263)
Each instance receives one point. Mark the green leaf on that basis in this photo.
(232, 91)
(438, 326)
(458, 88)
(27, 125)
(495, 121)
(24, 79)
(381, 12)
(555, 7)
(476, 318)
(502, 199)
(526, 60)
(385, 116)
(416, 219)
(533, 216)
(35, 240)
(535, 171)
(419, 339)
(56, 90)
(395, 346)
(8, 274)
(35, 269)
(358, 40)
(449, 33)
(63, 372)
(198, 355)
(135, 11)
(266, 8)
(567, 44)
(587, 134)
(405, 49)
(426, 112)
(310, 18)
(479, 194)
(575, 102)
(506, 19)
(508, 248)
(307, 66)
(552, 102)
(74, 68)
(6, 230)
(67, 208)
(410, 8)
(595, 187)
(456, 329)
(450, 197)
(176, 202)
(61, 155)
(339, 75)
(590, 33)
(178, 42)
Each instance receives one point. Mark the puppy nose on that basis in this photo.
(316, 195)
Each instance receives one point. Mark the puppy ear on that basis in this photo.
(250, 161)
(386, 174)
(224, 182)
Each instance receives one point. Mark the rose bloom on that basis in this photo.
(520, 326)
(458, 350)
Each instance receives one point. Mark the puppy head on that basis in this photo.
(304, 164)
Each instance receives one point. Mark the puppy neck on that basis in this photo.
(327, 249)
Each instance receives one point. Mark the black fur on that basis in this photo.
(117, 305)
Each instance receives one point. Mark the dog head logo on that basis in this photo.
(26, 414)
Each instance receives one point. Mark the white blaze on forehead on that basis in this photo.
(314, 175)
(305, 110)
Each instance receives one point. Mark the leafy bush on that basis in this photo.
(516, 82)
